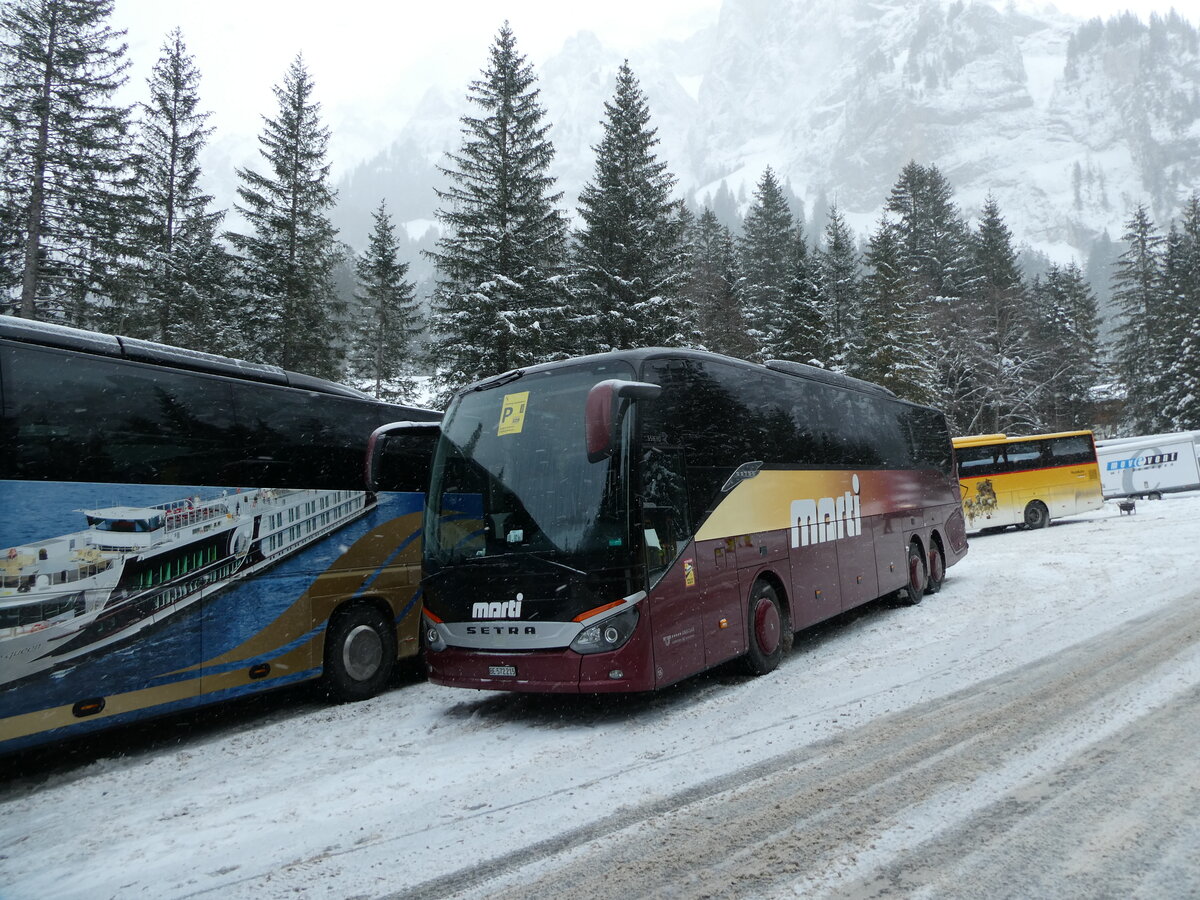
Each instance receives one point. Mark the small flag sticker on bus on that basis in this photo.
(512, 413)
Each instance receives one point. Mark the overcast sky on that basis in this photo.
(372, 60)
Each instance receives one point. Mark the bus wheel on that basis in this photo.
(770, 632)
(937, 569)
(1036, 514)
(360, 651)
(911, 593)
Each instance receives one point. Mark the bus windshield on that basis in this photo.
(511, 476)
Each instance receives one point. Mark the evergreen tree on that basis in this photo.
(1179, 346)
(802, 333)
(294, 317)
(1068, 336)
(935, 244)
(388, 320)
(769, 262)
(892, 331)
(65, 155)
(840, 291)
(1004, 373)
(1138, 292)
(501, 264)
(185, 268)
(626, 256)
(712, 287)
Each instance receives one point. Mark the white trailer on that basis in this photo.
(1149, 466)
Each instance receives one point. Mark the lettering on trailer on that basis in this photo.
(827, 518)
(501, 609)
(1141, 462)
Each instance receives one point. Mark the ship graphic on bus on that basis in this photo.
(137, 566)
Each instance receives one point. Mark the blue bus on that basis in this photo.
(179, 528)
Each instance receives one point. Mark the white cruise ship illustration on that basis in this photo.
(133, 567)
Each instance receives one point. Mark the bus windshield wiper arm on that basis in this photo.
(560, 565)
(499, 380)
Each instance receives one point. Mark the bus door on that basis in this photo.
(675, 595)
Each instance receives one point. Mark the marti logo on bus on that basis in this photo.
(827, 518)
(501, 609)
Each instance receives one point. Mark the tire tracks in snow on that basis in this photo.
(1092, 742)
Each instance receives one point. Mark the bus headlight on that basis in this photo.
(610, 634)
(432, 636)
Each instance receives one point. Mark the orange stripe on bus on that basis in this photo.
(597, 611)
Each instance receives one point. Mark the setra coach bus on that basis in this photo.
(181, 528)
(622, 521)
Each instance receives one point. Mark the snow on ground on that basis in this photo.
(371, 798)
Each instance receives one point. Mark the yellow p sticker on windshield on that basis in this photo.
(512, 413)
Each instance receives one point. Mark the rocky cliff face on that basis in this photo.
(1067, 124)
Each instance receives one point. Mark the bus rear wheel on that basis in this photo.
(1036, 514)
(770, 631)
(360, 652)
(918, 577)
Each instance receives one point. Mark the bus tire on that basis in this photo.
(360, 653)
(918, 577)
(770, 633)
(937, 568)
(1036, 514)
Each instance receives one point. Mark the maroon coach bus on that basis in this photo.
(622, 521)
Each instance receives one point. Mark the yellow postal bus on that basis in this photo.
(1026, 480)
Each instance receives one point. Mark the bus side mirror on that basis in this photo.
(378, 441)
(605, 409)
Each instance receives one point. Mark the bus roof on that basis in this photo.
(48, 334)
(637, 356)
(984, 440)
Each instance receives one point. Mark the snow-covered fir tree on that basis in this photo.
(292, 316)
(382, 344)
(1069, 363)
(712, 286)
(1138, 291)
(501, 290)
(1006, 387)
(184, 269)
(840, 291)
(626, 261)
(935, 244)
(892, 331)
(65, 158)
(1180, 335)
(768, 259)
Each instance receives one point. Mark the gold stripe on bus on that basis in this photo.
(133, 701)
(342, 580)
(764, 502)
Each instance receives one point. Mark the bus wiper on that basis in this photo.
(560, 565)
(505, 378)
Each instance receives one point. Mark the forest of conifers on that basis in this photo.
(105, 224)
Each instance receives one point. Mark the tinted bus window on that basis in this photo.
(80, 418)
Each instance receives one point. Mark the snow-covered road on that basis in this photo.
(1027, 731)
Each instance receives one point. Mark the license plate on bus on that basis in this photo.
(503, 671)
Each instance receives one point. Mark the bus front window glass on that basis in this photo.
(507, 483)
